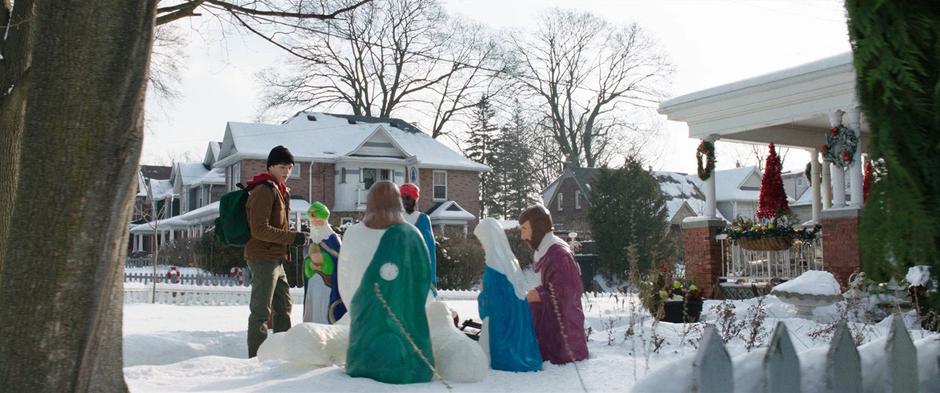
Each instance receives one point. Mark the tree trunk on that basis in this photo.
(80, 140)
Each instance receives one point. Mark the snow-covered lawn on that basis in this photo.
(202, 348)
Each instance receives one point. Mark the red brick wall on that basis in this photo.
(463, 187)
(324, 184)
(841, 249)
(570, 218)
(703, 256)
(298, 187)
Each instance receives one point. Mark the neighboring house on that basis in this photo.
(567, 198)
(737, 191)
(192, 190)
(339, 157)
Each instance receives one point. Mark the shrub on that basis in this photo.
(519, 247)
(178, 252)
(460, 260)
(211, 255)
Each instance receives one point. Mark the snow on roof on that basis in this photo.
(728, 184)
(681, 189)
(550, 191)
(449, 210)
(313, 136)
(162, 189)
(508, 224)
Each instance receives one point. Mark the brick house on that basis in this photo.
(339, 157)
(568, 200)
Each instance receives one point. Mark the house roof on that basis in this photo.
(678, 188)
(155, 171)
(324, 137)
(730, 184)
(212, 153)
(448, 211)
(196, 173)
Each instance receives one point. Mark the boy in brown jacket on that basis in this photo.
(268, 211)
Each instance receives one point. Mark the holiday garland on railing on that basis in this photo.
(706, 149)
(841, 143)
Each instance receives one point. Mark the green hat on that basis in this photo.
(318, 210)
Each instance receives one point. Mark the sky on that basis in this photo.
(710, 43)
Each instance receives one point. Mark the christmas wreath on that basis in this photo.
(840, 146)
(706, 149)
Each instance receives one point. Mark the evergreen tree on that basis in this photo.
(897, 66)
(516, 186)
(482, 149)
(628, 208)
(773, 199)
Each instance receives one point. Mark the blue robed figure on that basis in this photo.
(507, 335)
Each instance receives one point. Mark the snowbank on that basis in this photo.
(812, 282)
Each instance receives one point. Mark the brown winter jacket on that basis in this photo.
(268, 212)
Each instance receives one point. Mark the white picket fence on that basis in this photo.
(713, 371)
(220, 295)
(187, 279)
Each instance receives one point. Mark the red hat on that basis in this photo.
(410, 190)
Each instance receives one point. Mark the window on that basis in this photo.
(577, 200)
(234, 176)
(294, 172)
(561, 197)
(345, 220)
(368, 177)
(440, 185)
(385, 174)
(342, 175)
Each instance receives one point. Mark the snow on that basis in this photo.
(202, 348)
(331, 137)
(812, 282)
(918, 275)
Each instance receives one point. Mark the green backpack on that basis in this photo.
(231, 228)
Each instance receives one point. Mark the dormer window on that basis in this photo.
(561, 197)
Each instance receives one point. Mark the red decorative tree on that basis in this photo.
(773, 200)
(866, 184)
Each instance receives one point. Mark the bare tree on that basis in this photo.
(387, 55)
(72, 88)
(588, 74)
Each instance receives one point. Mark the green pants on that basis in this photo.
(270, 294)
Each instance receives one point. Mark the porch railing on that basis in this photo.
(740, 265)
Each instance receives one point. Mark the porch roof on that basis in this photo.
(788, 107)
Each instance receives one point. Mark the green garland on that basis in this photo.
(841, 143)
(706, 149)
(744, 228)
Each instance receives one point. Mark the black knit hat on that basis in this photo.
(280, 155)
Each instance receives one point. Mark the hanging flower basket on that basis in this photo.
(768, 243)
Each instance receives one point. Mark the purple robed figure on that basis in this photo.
(557, 314)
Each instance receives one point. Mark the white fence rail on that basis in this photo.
(780, 371)
(209, 295)
(187, 279)
(738, 263)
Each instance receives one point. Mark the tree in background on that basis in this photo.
(773, 199)
(483, 148)
(384, 57)
(515, 166)
(628, 208)
(586, 73)
(897, 66)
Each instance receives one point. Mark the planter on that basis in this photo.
(770, 243)
(682, 312)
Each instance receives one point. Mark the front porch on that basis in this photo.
(793, 108)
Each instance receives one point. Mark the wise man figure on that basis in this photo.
(385, 277)
(322, 303)
(557, 314)
(410, 193)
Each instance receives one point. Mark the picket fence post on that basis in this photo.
(843, 364)
(902, 359)
(781, 364)
(711, 369)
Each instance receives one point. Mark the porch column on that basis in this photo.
(710, 198)
(814, 176)
(826, 185)
(854, 117)
(838, 175)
